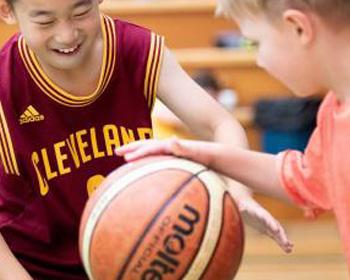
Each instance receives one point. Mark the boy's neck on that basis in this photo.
(337, 62)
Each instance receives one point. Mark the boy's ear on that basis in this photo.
(6, 13)
(301, 24)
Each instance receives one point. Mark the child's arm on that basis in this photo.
(254, 169)
(10, 267)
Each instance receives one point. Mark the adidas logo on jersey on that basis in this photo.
(30, 115)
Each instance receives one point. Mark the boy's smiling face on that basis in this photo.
(62, 33)
(286, 51)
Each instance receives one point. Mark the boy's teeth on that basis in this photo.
(67, 50)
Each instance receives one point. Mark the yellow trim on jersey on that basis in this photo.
(157, 72)
(60, 95)
(153, 71)
(148, 67)
(112, 54)
(2, 157)
(154, 60)
(7, 153)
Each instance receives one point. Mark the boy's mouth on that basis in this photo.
(68, 51)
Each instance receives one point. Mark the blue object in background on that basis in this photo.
(274, 142)
(286, 123)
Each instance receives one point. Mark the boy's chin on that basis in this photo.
(65, 64)
(305, 93)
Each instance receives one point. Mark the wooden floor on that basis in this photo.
(317, 255)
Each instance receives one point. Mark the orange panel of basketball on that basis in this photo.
(161, 218)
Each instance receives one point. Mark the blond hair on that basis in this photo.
(332, 9)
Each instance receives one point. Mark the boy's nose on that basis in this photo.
(66, 34)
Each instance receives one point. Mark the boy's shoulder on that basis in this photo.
(130, 33)
(124, 25)
(134, 41)
(9, 46)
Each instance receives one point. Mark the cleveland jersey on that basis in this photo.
(55, 148)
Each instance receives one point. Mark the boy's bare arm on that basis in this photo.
(196, 108)
(10, 267)
(254, 169)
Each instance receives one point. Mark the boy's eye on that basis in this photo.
(45, 23)
(82, 13)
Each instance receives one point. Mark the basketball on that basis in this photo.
(161, 218)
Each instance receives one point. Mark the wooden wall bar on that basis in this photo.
(235, 69)
(184, 23)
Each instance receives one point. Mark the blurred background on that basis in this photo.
(214, 53)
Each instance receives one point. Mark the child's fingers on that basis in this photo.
(280, 236)
(128, 148)
(277, 233)
(285, 244)
(147, 150)
(151, 145)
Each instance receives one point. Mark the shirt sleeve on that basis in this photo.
(303, 176)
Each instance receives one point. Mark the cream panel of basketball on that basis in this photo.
(133, 176)
(216, 189)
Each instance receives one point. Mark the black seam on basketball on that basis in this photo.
(155, 218)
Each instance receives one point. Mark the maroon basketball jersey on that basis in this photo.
(55, 148)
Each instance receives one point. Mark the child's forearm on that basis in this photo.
(10, 267)
(254, 169)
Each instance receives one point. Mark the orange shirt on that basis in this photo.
(319, 179)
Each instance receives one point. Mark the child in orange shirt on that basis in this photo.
(305, 44)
